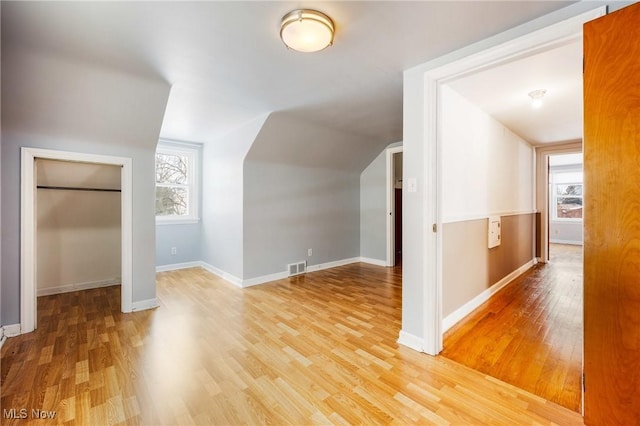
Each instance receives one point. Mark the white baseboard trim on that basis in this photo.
(334, 264)
(411, 341)
(176, 266)
(144, 305)
(373, 261)
(310, 268)
(238, 282)
(570, 242)
(68, 288)
(264, 279)
(472, 304)
(2, 338)
(11, 330)
(222, 274)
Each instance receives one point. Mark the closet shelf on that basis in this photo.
(77, 189)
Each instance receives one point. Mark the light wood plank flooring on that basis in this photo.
(530, 333)
(316, 349)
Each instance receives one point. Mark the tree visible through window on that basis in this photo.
(175, 184)
(569, 201)
(172, 190)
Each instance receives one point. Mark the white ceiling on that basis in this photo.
(502, 92)
(227, 65)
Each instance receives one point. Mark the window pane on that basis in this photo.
(569, 189)
(171, 201)
(567, 177)
(171, 168)
(569, 208)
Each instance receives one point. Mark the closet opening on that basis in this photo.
(76, 226)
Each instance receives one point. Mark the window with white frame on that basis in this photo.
(567, 196)
(176, 183)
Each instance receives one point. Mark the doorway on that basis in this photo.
(28, 231)
(509, 334)
(564, 215)
(429, 84)
(394, 206)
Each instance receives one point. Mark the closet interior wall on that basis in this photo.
(78, 226)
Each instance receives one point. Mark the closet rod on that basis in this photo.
(77, 189)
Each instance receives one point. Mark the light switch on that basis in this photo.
(412, 185)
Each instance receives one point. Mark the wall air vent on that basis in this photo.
(297, 268)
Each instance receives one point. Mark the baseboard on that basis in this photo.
(68, 288)
(373, 261)
(334, 264)
(264, 279)
(238, 282)
(144, 305)
(411, 341)
(2, 338)
(176, 266)
(473, 304)
(569, 242)
(311, 268)
(11, 330)
(222, 274)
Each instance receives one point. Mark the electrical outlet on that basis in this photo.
(174, 250)
(310, 252)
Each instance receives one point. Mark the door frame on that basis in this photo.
(542, 188)
(28, 234)
(391, 209)
(546, 38)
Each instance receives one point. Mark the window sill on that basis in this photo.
(161, 222)
(566, 220)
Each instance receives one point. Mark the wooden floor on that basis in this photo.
(530, 333)
(316, 349)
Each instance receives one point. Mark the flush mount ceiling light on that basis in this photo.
(536, 97)
(306, 30)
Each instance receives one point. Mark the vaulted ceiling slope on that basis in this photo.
(227, 65)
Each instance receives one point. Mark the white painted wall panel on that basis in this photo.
(486, 168)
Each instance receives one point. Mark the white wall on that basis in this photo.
(277, 187)
(55, 103)
(373, 205)
(78, 232)
(565, 232)
(222, 198)
(486, 168)
(301, 191)
(289, 209)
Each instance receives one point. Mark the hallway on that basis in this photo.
(530, 333)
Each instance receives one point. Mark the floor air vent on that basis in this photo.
(297, 268)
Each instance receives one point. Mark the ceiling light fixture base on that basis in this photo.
(536, 97)
(307, 30)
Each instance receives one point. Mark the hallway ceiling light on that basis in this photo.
(306, 30)
(536, 97)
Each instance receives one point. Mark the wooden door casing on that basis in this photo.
(612, 218)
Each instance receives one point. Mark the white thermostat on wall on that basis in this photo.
(494, 231)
